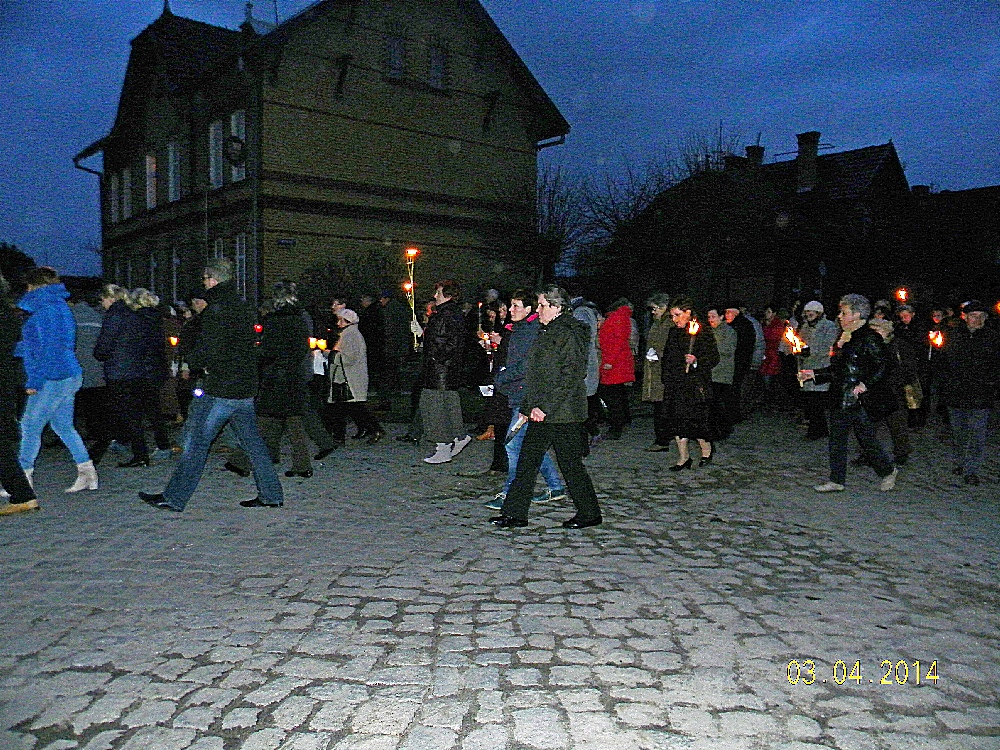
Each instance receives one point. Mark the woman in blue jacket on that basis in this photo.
(53, 374)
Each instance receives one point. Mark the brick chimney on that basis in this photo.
(755, 155)
(805, 161)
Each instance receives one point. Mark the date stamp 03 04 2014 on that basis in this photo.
(902, 672)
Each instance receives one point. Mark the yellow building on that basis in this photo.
(340, 137)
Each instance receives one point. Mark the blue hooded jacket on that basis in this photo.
(48, 338)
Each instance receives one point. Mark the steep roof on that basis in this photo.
(846, 175)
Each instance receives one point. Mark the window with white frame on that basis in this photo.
(238, 129)
(114, 207)
(219, 249)
(173, 171)
(154, 267)
(150, 182)
(216, 136)
(175, 264)
(126, 193)
(241, 265)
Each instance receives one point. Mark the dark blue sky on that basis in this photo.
(632, 77)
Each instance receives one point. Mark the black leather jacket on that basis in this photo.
(863, 359)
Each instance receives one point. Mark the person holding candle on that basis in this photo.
(859, 396)
(819, 334)
(689, 356)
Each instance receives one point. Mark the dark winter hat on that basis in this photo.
(974, 305)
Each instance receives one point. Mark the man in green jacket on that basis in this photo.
(555, 407)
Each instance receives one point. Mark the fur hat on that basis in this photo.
(348, 316)
(813, 306)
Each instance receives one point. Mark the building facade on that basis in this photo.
(340, 137)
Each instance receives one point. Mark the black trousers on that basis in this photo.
(133, 401)
(356, 410)
(91, 414)
(564, 439)
(660, 427)
(12, 476)
(616, 398)
(814, 405)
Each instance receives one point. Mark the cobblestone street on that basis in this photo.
(378, 610)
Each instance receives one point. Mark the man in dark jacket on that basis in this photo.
(969, 362)
(226, 351)
(555, 403)
(859, 396)
(441, 375)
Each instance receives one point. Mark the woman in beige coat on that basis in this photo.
(349, 367)
(652, 385)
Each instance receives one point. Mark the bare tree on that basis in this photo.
(561, 219)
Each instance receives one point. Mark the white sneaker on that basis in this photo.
(442, 454)
(459, 445)
(497, 502)
(829, 487)
(889, 481)
(548, 496)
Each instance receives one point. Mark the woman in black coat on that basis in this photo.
(281, 394)
(132, 347)
(686, 371)
(15, 484)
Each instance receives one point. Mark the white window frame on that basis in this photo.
(240, 264)
(126, 193)
(216, 136)
(238, 128)
(154, 266)
(175, 263)
(114, 198)
(219, 249)
(150, 182)
(173, 171)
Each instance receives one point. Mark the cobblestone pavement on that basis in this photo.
(379, 611)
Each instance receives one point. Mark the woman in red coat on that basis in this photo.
(617, 364)
(770, 368)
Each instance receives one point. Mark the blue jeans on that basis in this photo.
(842, 421)
(548, 468)
(53, 404)
(968, 430)
(206, 421)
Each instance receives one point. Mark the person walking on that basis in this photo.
(226, 350)
(349, 381)
(859, 396)
(14, 486)
(442, 373)
(131, 346)
(970, 363)
(689, 357)
(652, 383)
(555, 403)
(617, 365)
(48, 341)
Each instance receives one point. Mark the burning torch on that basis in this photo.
(797, 344)
(408, 287)
(935, 341)
(693, 327)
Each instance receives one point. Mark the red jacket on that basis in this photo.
(615, 351)
(773, 333)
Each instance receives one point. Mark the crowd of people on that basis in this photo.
(556, 373)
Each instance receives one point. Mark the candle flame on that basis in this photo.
(902, 294)
(693, 327)
(936, 338)
(797, 342)
(407, 287)
(174, 341)
(321, 344)
(312, 342)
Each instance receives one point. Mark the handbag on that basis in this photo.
(339, 392)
